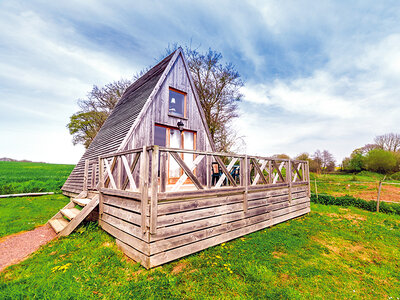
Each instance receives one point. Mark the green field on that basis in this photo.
(362, 185)
(25, 213)
(23, 177)
(332, 253)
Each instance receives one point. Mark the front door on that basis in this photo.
(173, 138)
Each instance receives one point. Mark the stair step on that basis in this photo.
(70, 213)
(81, 202)
(58, 224)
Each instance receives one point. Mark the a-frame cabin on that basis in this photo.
(148, 114)
(161, 189)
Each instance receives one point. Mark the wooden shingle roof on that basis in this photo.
(118, 124)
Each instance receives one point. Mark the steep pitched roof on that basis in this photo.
(118, 124)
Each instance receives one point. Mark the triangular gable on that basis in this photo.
(176, 55)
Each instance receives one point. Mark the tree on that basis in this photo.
(316, 163)
(322, 161)
(94, 110)
(328, 161)
(379, 160)
(303, 156)
(218, 86)
(389, 141)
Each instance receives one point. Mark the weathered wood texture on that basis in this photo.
(187, 226)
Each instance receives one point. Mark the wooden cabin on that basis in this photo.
(161, 188)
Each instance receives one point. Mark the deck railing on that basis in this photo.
(143, 174)
(122, 170)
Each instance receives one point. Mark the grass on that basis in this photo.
(23, 177)
(25, 213)
(333, 252)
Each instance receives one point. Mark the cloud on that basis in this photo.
(318, 75)
(339, 107)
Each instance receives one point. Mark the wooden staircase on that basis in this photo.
(69, 217)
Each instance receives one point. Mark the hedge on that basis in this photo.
(384, 207)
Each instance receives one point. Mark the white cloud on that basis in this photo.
(338, 107)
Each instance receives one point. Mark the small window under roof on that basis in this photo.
(177, 103)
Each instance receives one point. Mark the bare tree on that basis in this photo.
(328, 161)
(94, 110)
(217, 85)
(389, 141)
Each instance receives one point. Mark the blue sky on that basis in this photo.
(318, 74)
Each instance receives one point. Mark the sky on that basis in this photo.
(318, 74)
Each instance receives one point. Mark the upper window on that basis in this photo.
(177, 103)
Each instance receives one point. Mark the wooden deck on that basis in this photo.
(154, 223)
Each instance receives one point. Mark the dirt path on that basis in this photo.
(17, 247)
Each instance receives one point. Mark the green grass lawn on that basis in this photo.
(23, 177)
(25, 213)
(332, 253)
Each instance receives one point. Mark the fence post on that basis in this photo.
(379, 195)
(154, 189)
(316, 189)
(144, 185)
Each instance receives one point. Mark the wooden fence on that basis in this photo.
(217, 197)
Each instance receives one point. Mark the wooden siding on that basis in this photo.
(188, 226)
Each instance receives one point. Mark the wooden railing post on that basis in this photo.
(208, 171)
(289, 172)
(163, 172)
(85, 176)
(269, 172)
(154, 189)
(101, 186)
(246, 183)
(144, 188)
(307, 176)
(119, 172)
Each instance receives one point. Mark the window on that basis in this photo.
(177, 103)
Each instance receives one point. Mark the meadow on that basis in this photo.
(25, 213)
(25, 177)
(331, 253)
(363, 185)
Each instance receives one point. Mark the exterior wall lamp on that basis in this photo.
(180, 125)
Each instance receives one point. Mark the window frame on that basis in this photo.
(174, 115)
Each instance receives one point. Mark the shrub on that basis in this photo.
(379, 160)
(395, 176)
(384, 207)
